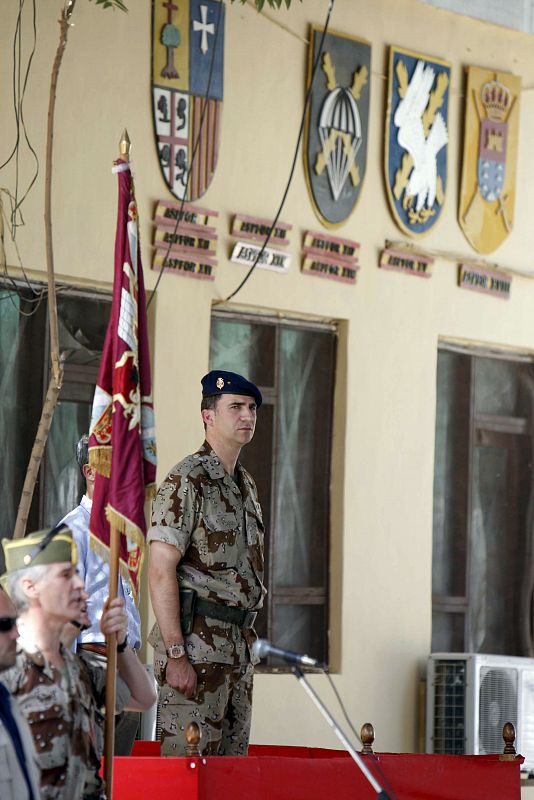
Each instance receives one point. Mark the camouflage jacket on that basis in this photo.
(216, 523)
(62, 708)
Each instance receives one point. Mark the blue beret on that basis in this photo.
(219, 382)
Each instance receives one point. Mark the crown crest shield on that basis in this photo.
(496, 100)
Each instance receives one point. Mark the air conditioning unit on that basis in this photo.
(469, 699)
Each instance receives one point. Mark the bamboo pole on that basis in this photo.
(64, 25)
(111, 674)
(56, 378)
(36, 456)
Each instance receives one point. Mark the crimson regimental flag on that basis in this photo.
(122, 443)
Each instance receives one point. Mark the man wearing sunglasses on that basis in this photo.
(19, 775)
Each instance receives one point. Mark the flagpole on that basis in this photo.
(111, 640)
(111, 674)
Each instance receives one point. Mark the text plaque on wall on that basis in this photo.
(330, 257)
(486, 281)
(185, 240)
(407, 262)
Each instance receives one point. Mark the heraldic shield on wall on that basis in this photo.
(487, 195)
(416, 139)
(335, 151)
(187, 91)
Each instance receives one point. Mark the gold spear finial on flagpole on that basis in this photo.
(125, 146)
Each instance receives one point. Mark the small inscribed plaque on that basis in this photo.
(275, 260)
(330, 257)
(487, 281)
(409, 263)
(244, 227)
(185, 240)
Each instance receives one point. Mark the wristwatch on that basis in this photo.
(175, 651)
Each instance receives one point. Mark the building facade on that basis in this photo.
(350, 370)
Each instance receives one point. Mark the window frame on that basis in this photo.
(485, 430)
(74, 375)
(300, 595)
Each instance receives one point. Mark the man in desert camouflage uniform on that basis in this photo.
(56, 693)
(206, 573)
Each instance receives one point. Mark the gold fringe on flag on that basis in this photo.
(102, 551)
(123, 526)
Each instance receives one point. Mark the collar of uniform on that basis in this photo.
(28, 647)
(37, 657)
(210, 461)
(232, 483)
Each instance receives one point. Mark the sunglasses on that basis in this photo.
(7, 624)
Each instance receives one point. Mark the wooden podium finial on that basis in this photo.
(367, 736)
(508, 734)
(192, 737)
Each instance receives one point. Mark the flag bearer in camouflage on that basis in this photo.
(59, 696)
(205, 575)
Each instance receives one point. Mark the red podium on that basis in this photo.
(301, 773)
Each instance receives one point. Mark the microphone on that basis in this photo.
(263, 647)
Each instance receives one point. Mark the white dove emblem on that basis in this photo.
(411, 136)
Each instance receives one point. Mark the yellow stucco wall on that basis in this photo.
(390, 322)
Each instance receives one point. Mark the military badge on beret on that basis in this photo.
(219, 382)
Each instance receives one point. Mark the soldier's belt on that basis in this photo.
(237, 616)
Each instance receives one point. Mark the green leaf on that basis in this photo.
(112, 4)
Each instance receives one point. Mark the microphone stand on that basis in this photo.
(356, 757)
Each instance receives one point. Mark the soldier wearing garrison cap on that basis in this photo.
(58, 694)
(39, 549)
(206, 577)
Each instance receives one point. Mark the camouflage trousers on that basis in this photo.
(222, 708)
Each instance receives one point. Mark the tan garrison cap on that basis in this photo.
(50, 546)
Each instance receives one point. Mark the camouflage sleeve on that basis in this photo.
(14, 677)
(174, 512)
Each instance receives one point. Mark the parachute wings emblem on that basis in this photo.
(336, 147)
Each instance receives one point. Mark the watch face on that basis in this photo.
(176, 651)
